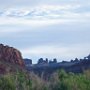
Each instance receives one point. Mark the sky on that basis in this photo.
(46, 28)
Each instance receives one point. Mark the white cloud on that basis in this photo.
(43, 14)
(39, 22)
(43, 10)
(8, 21)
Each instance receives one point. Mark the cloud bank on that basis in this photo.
(46, 28)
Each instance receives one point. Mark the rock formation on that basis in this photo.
(11, 55)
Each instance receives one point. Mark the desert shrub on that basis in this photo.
(58, 81)
(7, 83)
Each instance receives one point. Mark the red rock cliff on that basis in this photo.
(10, 54)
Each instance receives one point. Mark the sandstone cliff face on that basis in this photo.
(10, 54)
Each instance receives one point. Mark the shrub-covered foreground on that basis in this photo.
(58, 81)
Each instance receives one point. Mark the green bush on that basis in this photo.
(71, 81)
(7, 83)
(58, 81)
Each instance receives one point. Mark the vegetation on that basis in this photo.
(58, 81)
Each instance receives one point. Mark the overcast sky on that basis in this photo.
(46, 28)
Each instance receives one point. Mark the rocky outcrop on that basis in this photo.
(11, 55)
